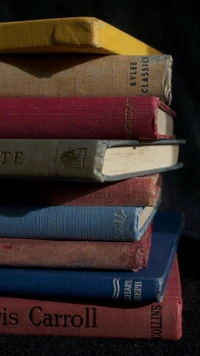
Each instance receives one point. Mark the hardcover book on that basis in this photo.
(138, 191)
(103, 286)
(86, 76)
(72, 34)
(87, 160)
(92, 223)
(42, 317)
(142, 117)
(80, 254)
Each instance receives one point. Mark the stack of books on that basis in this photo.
(86, 133)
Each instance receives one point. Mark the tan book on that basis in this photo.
(85, 76)
(73, 34)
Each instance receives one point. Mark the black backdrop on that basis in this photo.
(173, 27)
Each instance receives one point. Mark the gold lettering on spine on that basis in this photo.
(119, 221)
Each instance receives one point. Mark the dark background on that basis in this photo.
(172, 27)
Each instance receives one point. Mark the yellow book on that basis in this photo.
(72, 35)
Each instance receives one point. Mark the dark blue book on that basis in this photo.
(143, 286)
(103, 223)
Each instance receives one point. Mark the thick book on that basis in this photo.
(150, 321)
(62, 75)
(79, 254)
(72, 34)
(87, 160)
(91, 223)
(138, 191)
(141, 117)
(105, 286)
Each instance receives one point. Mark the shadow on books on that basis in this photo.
(11, 211)
(44, 66)
(25, 191)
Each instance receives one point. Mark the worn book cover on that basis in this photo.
(92, 223)
(86, 160)
(103, 286)
(151, 321)
(138, 191)
(76, 254)
(140, 117)
(60, 75)
(72, 34)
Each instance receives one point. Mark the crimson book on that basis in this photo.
(140, 117)
(80, 254)
(151, 321)
(138, 191)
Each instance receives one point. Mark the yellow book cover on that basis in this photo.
(69, 35)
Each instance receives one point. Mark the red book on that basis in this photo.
(138, 191)
(152, 321)
(76, 254)
(144, 118)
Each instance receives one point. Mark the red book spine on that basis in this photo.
(76, 118)
(79, 254)
(138, 191)
(152, 321)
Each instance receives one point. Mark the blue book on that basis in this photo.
(143, 286)
(103, 223)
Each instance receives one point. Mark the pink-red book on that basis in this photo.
(76, 254)
(152, 321)
(86, 118)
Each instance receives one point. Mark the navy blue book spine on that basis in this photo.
(110, 223)
(122, 287)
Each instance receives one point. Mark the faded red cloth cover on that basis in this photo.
(74, 118)
(76, 254)
(138, 191)
(152, 321)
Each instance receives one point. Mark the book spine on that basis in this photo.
(98, 286)
(86, 76)
(52, 158)
(35, 317)
(80, 254)
(138, 191)
(72, 222)
(80, 118)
